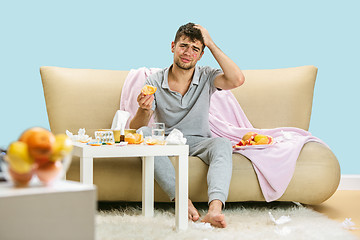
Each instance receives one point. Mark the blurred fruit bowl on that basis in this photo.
(38, 155)
(47, 173)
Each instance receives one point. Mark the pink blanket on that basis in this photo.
(274, 165)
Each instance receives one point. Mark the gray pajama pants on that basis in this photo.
(215, 152)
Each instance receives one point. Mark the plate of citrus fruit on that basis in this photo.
(252, 140)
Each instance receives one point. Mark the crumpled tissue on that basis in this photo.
(283, 231)
(284, 137)
(81, 137)
(175, 137)
(348, 224)
(120, 119)
(281, 220)
(202, 225)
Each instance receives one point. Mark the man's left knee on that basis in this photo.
(222, 143)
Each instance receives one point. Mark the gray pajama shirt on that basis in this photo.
(190, 115)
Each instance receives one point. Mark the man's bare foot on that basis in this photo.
(192, 212)
(214, 215)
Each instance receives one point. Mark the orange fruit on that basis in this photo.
(40, 143)
(148, 90)
(151, 141)
(134, 138)
(27, 133)
(130, 138)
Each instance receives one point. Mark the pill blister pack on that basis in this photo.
(104, 137)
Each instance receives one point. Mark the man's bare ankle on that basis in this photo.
(215, 205)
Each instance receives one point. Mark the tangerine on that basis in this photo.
(134, 138)
(148, 90)
(151, 141)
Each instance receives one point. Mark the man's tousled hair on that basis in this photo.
(188, 30)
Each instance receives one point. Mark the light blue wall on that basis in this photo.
(116, 35)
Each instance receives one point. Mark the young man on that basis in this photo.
(182, 102)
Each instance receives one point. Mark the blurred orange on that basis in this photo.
(148, 90)
(40, 143)
(134, 138)
(27, 133)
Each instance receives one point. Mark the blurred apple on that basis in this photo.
(20, 179)
(249, 136)
(48, 171)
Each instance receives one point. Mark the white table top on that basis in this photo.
(7, 189)
(130, 150)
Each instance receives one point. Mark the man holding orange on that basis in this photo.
(182, 101)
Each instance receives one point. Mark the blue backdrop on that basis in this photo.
(123, 35)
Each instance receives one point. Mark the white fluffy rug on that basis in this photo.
(245, 221)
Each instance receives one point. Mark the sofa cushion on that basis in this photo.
(278, 97)
(81, 98)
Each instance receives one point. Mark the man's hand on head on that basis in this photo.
(207, 39)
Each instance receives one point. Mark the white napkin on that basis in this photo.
(82, 137)
(280, 229)
(120, 119)
(176, 137)
(281, 220)
(348, 224)
(202, 225)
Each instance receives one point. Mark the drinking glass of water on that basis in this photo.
(158, 131)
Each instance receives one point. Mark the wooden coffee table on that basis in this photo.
(87, 153)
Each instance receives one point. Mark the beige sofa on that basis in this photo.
(88, 98)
